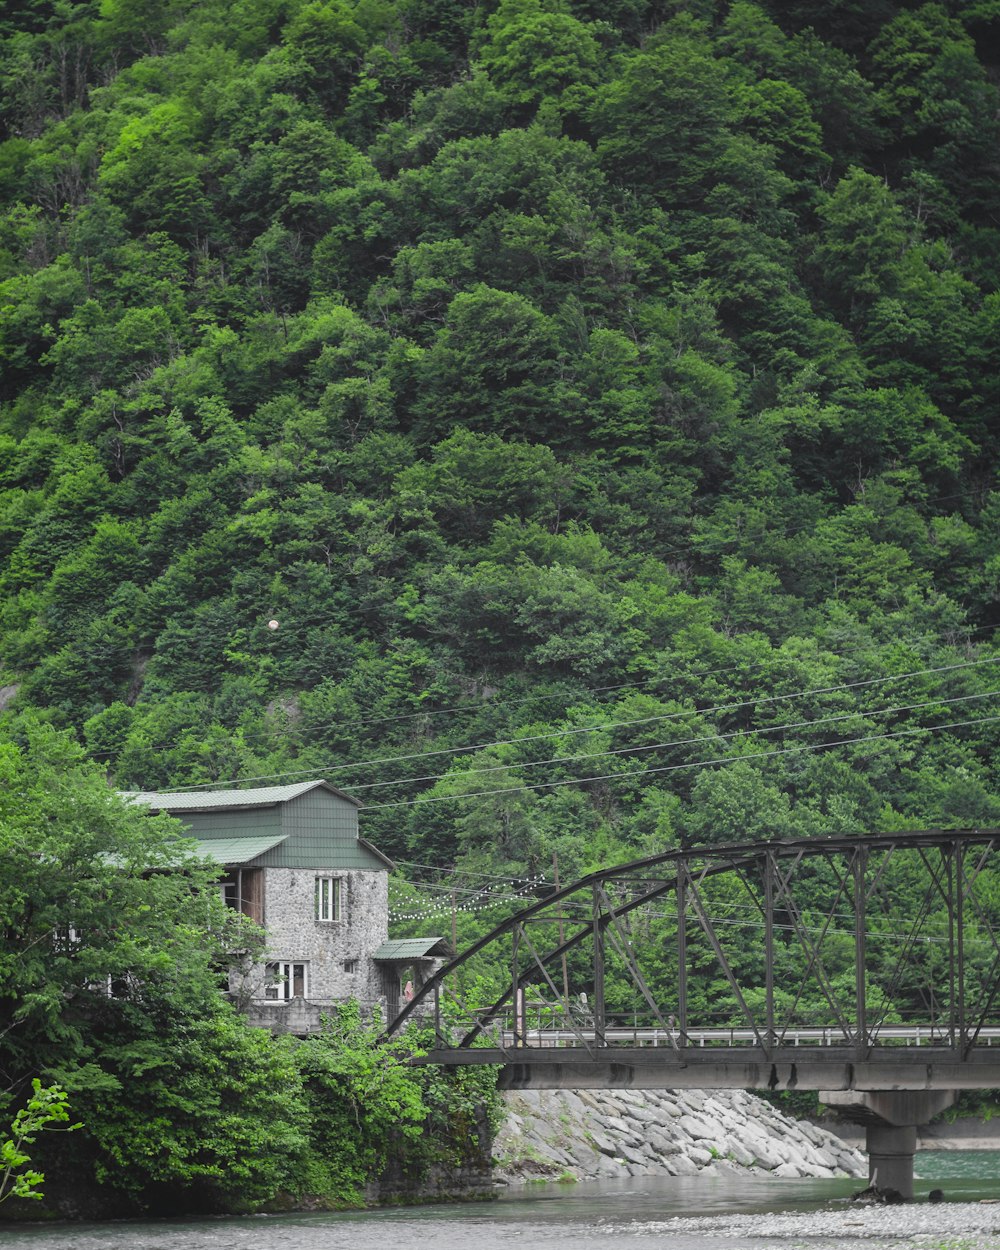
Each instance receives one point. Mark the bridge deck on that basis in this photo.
(899, 1067)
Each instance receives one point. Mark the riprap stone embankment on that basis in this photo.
(591, 1134)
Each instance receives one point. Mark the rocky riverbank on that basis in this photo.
(948, 1226)
(593, 1135)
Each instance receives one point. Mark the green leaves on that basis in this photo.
(221, 1112)
(46, 1106)
(663, 121)
(863, 240)
(82, 906)
(532, 53)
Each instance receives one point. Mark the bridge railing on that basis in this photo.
(541, 1026)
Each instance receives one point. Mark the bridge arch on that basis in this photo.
(845, 949)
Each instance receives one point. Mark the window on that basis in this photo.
(66, 939)
(350, 965)
(120, 985)
(285, 981)
(243, 891)
(329, 898)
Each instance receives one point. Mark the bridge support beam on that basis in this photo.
(891, 1118)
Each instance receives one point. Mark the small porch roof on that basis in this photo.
(406, 950)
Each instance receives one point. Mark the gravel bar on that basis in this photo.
(942, 1226)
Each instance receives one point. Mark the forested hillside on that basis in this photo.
(601, 398)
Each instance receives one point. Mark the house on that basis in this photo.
(291, 859)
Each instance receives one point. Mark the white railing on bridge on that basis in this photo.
(637, 1035)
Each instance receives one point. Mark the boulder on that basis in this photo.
(662, 1143)
(631, 1155)
(740, 1153)
(603, 1143)
(697, 1128)
(638, 1132)
(611, 1167)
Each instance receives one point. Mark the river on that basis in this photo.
(631, 1215)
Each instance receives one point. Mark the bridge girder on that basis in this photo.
(731, 1068)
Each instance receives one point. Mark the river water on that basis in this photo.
(627, 1215)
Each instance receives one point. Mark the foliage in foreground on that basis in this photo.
(111, 946)
(373, 1111)
(46, 1107)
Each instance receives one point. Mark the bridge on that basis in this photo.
(865, 967)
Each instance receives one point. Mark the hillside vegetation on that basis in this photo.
(601, 398)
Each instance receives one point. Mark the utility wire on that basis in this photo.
(572, 732)
(680, 742)
(671, 768)
(507, 878)
(584, 691)
(578, 692)
(364, 613)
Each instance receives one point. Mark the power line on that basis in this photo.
(732, 915)
(583, 691)
(679, 742)
(580, 691)
(448, 887)
(458, 872)
(572, 732)
(671, 768)
(875, 935)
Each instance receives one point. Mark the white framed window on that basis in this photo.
(120, 985)
(66, 939)
(286, 980)
(350, 966)
(329, 898)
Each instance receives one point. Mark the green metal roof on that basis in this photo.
(209, 800)
(411, 948)
(236, 850)
(309, 825)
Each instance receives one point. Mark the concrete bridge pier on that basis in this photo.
(891, 1148)
(891, 1118)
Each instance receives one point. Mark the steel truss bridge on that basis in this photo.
(864, 966)
(854, 962)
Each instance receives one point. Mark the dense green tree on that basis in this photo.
(662, 123)
(533, 52)
(84, 907)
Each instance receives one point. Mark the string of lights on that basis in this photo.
(432, 912)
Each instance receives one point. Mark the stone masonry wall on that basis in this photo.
(596, 1134)
(294, 934)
